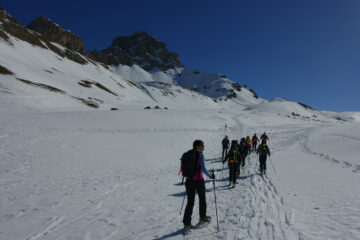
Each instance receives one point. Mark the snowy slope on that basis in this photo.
(46, 76)
(284, 107)
(55, 83)
(138, 74)
(344, 116)
(52, 82)
(209, 84)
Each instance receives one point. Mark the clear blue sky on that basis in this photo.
(304, 50)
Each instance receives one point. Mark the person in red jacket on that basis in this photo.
(249, 143)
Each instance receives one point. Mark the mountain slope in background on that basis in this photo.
(46, 71)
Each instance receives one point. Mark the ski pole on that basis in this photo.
(272, 165)
(182, 203)
(217, 220)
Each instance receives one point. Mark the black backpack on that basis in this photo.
(189, 164)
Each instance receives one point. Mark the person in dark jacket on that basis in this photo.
(225, 146)
(264, 137)
(197, 184)
(243, 151)
(255, 139)
(263, 151)
(233, 158)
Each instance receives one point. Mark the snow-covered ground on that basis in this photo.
(114, 175)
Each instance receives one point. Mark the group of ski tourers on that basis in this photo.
(239, 151)
(193, 169)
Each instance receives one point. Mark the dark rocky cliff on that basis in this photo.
(138, 48)
(57, 33)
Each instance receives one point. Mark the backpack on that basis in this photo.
(232, 157)
(189, 164)
(263, 150)
(243, 148)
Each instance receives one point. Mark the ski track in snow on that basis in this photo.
(355, 167)
(253, 210)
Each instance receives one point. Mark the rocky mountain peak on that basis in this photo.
(138, 48)
(6, 18)
(56, 33)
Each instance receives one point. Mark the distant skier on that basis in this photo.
(255, 139)
(263, 151)
(233, 157)
(194, 184)
(264, 137)
(225, 146)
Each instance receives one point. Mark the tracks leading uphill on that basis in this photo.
(254, 209)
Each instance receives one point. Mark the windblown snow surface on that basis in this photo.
(114, 175)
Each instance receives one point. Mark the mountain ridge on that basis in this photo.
(53, 77)
(138, 49)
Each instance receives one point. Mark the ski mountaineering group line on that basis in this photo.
(193, 169)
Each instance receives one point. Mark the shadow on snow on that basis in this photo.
(170, 235)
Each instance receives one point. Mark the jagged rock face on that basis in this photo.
(10, 27)
(138, 48)
(57, 34)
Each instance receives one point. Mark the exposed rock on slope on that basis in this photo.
(138, 48)
(57, 33)
(10, 27)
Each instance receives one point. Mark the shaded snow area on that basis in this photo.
(114, 175)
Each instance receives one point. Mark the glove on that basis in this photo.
(212, 176)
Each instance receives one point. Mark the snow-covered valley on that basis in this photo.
(114, 175)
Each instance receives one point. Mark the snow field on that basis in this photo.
(114, 175)
(319, 185)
